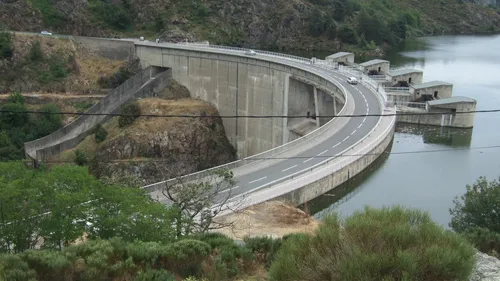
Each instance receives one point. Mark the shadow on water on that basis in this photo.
(327, 202)
(453, 137)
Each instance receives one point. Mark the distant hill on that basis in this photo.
(267, 24)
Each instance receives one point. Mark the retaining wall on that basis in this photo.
(140, 85)
(116, 49)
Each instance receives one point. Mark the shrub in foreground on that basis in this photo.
(387, 244)
(132, 110)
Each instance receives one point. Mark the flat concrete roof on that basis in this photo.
(431, 84)
(372, 62)
(339, 55)
(404, 71)
(451, 100)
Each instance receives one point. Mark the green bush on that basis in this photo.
(347, 34)
(154, 275)
(100, 133)
(13, 268)
(475, 215)
(16, 97)
(36, 53)
(45, 124)
(113, 15)
(386, 244)
(185, 257)
(48, 265)
(6, 46)
(264, 248)
(80, 158)
(484, 240)
(132, 110)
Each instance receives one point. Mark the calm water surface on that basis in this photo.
(414, 174)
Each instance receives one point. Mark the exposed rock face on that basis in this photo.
(487, 268)
(155, 149)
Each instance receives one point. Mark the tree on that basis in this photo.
(199, 202)
(347, 34)
(6, 46)
(131, 111)
(49, 122)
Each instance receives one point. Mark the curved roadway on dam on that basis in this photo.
(356, 129)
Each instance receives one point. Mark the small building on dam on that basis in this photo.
(416, 101)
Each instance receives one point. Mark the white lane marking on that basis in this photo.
(367, 108)
(353, 132)
(258, 180)
(226, 190)
(336, 145)
(289, 168)
(360, 125)
(346, 138)
(323, 152)
(364, 119)
(305, 161)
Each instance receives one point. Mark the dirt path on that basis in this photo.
(273, 218)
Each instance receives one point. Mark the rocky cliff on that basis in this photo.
(154, 149)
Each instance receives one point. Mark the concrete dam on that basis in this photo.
(295, 159)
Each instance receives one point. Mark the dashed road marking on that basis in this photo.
(346, 138)
(226, 190)
(263, 178)
(360, 125)
(353, 132)
(364, 119)
(289, 168)
(305, 161)
(323, 152)
(336, 145)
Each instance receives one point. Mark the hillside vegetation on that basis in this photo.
(283, 24)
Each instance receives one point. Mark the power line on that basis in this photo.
(236, 116)
(304, 157)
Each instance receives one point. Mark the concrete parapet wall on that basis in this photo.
(140, 85)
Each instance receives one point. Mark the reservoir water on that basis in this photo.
(426, 167)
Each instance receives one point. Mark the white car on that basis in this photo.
(45, 33)
(352, 80)
(250, 53)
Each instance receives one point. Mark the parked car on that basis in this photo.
(250, 53)
(45, 33)
(352, 80)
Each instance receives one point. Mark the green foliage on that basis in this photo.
(387, 244)
(154, 275)
(100, 210)
(186, 256)
(484, 240)
(13, 117)
(478, 207)
(6, 46)
(113, 15)
(80, 158)
(83, 106)
(475, 215)
(133, 110)
(13, 268)
(48, 123)
(36, 54)
(347, 34)
(51, 16)
(16, 97)
(264, 248)
(100, 134)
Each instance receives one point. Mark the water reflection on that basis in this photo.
(453, 137)
(328, 202)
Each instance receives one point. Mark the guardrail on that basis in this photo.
(271, 152)
(408, 104)
(397, 89)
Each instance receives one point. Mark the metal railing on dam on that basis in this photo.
(317, 67)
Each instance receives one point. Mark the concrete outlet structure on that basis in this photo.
(432, 90)
(375, 67)
(341, 58)
(410, 76)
